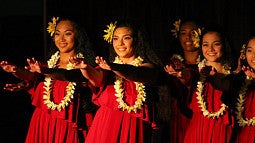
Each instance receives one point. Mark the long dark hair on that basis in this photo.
(141, 44)
(244, 61)
(227, 55)
(82, 42)
(177, 48)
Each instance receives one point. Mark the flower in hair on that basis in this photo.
(196, 37)
(109, 32)
(243, 52)
(176, 29)
(52, 25)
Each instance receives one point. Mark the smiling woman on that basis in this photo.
(61, 107)
(126, 88)
(212, 119)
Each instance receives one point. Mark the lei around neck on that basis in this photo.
(240, 105)
(52, 62)
(118, 86)
(200, 97)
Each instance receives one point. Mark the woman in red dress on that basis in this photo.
(125, 88)
(245, 107)
(63, 111)
(185, 58)
(212, 119)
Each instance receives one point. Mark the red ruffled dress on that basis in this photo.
(111, 124)
(246, 134)
(180, 118)
(208, 130)
(70, 125)
(178, 125)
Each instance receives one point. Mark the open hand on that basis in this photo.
(78, 62)
(15, 87)
(207, 71)
(102, 63)
(248, 71)
(170, 70)
(8, 67)
(34, 65)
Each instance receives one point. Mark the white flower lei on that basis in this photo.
(139, 87)
(240, 103)
(48, 86)
(200, 97)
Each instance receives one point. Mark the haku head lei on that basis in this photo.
(176, 29)
(52, 25)
(109, 32)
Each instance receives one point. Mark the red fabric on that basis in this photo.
(180, 122)
(112, 125)
(208, 130)
(246, 134)
(52, 126)
(178, 125)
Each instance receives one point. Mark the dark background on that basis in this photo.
(23, 35)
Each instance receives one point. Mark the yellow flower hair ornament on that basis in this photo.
(176, 29)
(242, 52)
(52, 25)
(196, 37)
(109, 32)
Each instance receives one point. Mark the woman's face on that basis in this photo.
(64, 36)
(185, 36)
(250, 53)
(212, 47)
(123, 42)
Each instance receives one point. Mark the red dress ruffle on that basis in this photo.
(246, 134)
(70, 125)
(208, 130)
(112, 125)
(180, 121)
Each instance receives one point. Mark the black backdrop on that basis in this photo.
(23, 23)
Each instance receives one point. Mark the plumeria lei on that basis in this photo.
(118, 86)
(200, 96)
(52, 25)
(109, 32)
(240, 105)
(48, 86)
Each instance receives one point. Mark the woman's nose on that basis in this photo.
(120, 42)
(62, 38)
(211, 48)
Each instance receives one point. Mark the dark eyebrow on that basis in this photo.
(66, 31)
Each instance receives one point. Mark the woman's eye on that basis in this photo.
(248, 50)
(204, 45)
(218, 44)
